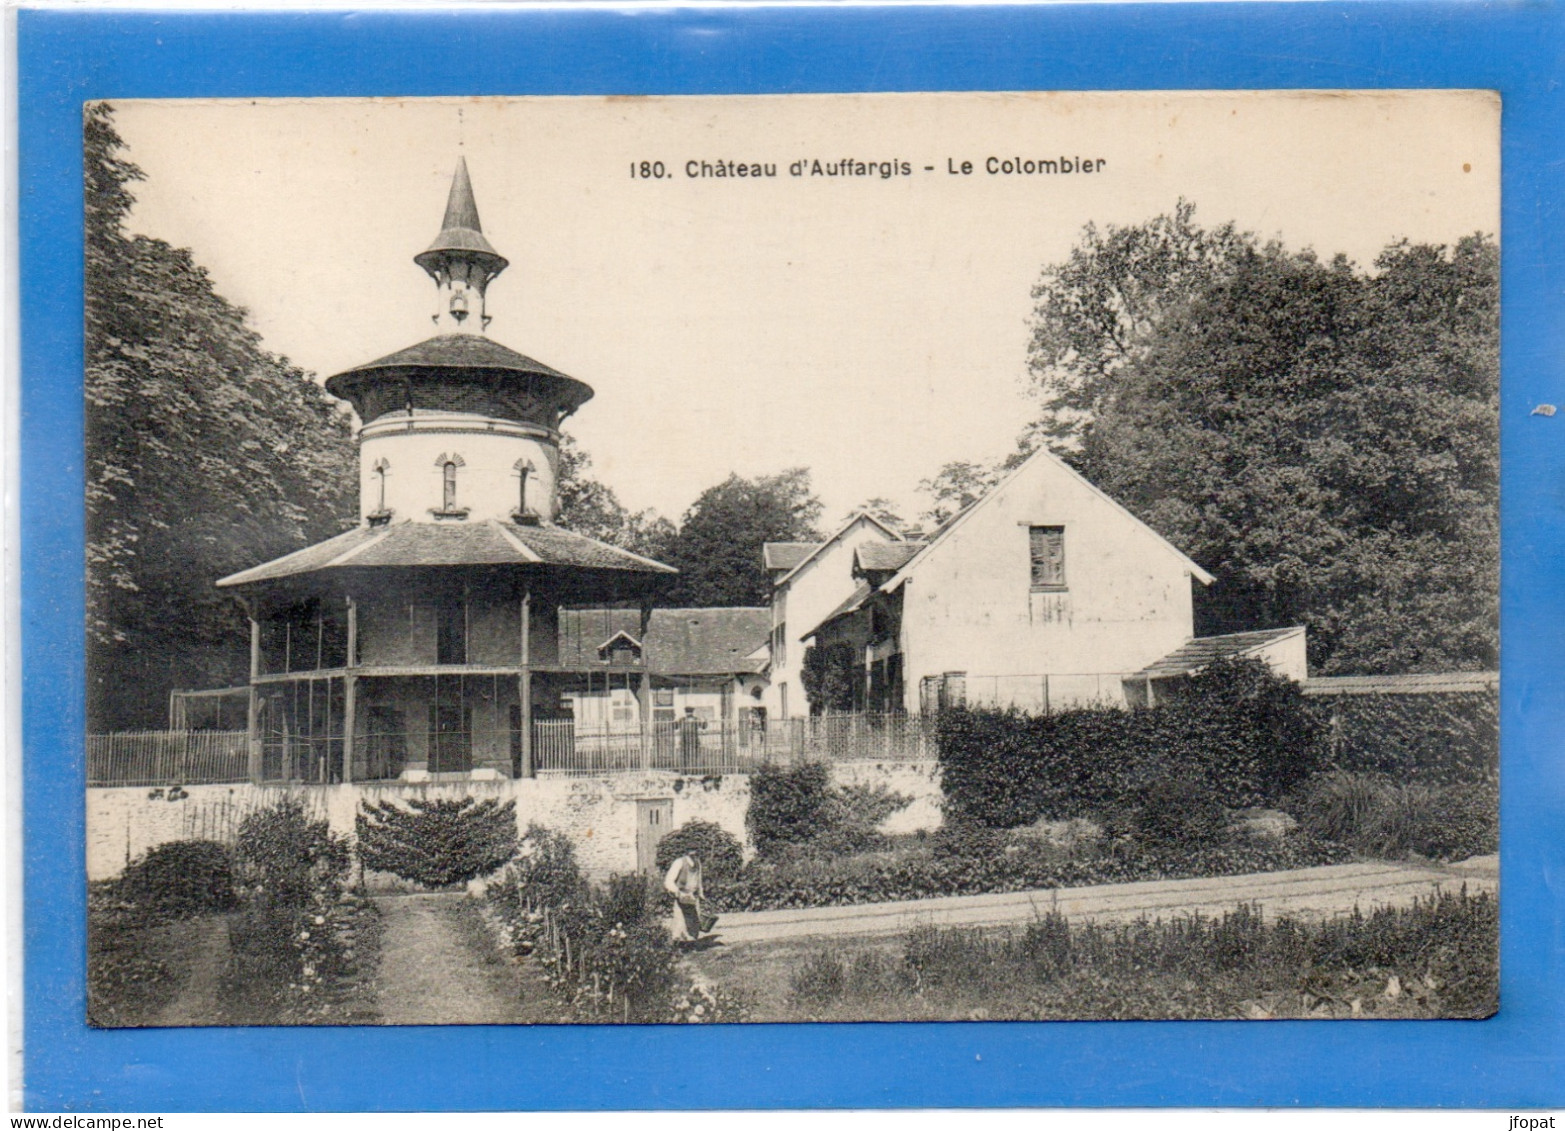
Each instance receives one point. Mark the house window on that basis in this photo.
(448, 465)
(448, 496)
(1047, 547)
(451, 633)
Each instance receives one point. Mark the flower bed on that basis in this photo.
(1001, 863)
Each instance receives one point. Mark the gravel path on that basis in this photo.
(439, 967)
(205, 941)
(1320, 891)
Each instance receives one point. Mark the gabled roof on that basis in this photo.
(410, 543)
(608, 645)
(856, 601)
(1193, 655)
(1415, 684)
(851, 522)
(722, 641)
(879, 556)
(999, 489)
(786, 555)
(707, 641)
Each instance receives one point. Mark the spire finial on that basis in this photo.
(461, 259)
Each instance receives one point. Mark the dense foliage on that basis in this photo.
(788, 804)
(719, 851)
(1324, 439)
(603, 948)
(588, 506)
(718, 546)
(182, 877)
(1443, 739)
(1382, 817)
(998, 863)
(436, 842)
(833, 677)
(1237, 733)
(299, 940)
(205, 455)
(288, 859)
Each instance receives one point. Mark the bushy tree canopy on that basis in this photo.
(589, 506)
(205, 454)
(1323, 439)
(718, 547)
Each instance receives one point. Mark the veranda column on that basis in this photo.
(524, 686)
(644, 698)
(350, 693)
(253, 715)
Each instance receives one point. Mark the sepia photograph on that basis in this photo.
(1006, 556)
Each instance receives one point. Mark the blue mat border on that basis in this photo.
(65, 57)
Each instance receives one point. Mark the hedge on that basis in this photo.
(1237, 731)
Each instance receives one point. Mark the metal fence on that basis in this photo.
(562, 747)
(165, 757)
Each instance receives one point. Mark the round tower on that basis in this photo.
(459, 428)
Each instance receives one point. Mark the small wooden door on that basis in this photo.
(653, 819)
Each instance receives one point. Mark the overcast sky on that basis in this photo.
(868, 328)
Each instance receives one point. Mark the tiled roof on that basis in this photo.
(786, 555)
(450, 544)
(456, 351)
(886, 555)
(1417, 684)
(678, 641)
(707, 641)
(1196, 654)
(853, 604)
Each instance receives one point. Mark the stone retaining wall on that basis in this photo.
(599, 813)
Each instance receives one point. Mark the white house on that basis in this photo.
(809, 580)
(1043, 594)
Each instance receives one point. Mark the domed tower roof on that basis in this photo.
(461, 373)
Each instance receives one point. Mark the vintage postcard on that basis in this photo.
(938, 557)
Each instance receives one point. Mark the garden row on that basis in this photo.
(1436, 959)
(297, 946)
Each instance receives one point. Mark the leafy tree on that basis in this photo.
(718, 547)
(886, 511)
(954, 488)
(1326, 442)
(1100, 310)
(205, 455)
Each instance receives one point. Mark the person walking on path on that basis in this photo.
(683, 882)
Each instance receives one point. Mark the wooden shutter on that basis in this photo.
(1047, 546)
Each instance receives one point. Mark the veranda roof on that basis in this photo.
(487, 543)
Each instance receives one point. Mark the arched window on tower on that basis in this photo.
(448, 465)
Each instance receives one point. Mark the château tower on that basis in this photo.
(458, 428)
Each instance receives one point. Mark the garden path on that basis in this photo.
(438, 966)
(205, 941)
(1319, 891)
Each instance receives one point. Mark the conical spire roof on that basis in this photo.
(461, 235)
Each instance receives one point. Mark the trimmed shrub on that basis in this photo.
(1236, 725)
(719, 851)
(855, 814)
(286, 859)
(1446, 738)
(436, 843)
(788, 805)
(183, 877)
